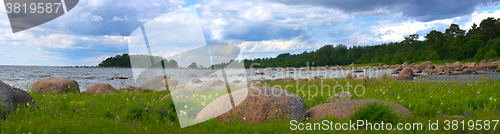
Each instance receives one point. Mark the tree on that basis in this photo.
(480, 54)
(172, 63)
(489, 29)
(456, 49)
(492, 54)
(432, 56)
(193, 65)
(433, 36)
(472, 46)
(411, 39)
(453, 31)
(441, 48)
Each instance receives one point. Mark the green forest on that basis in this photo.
(478, 43)
(454, 44)
(141, 61)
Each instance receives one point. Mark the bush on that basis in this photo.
(432, 56)
(375, 113)
(480, 54)
(492, 54)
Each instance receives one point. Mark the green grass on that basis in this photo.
(124, 112)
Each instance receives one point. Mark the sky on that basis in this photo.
(97, 29)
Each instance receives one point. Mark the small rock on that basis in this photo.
(123, 78)
(211, 75)
(192, 75)
(358, 71)
(197, 81)
(236, 81)
(211, 83)
(87, 78)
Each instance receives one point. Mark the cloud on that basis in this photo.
(119, 19)
(421, 10)
(272, 46)
(94, 60)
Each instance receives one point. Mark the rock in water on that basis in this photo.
(211, 75)
(55, 86)
(255, 105)
(100, 88)
(396, 70)
(11, 98)
(425, 65)
(405, 74)
(345, 109)
(288, 78)
(349, 76)
(236, 81)
(123, 78)
(153, 84)
(212, 83)
(170, 82)
(192, 75)
(197, 81)
(469, 71)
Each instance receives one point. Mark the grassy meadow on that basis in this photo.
(142, 112)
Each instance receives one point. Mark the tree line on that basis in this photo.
(478, 43)
(140, 61)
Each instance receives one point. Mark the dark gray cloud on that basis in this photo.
(98, 18)
(422, 10)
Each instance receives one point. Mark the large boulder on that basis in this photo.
(255, 105)
(212, 83)
(425, 65)
(405, 74)
(170, 82)
(100, 88)
(153, 84)
(55, 86)
(469, 71)
(13, 98)
(343, 109)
